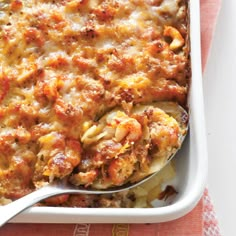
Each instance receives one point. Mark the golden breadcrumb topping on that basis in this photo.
(86, 89)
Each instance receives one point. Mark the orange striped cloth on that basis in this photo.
(201, 221)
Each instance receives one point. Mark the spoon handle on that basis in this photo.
(16, 207)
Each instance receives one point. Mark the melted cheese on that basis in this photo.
(63, 64)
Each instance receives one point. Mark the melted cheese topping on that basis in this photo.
(64, 63)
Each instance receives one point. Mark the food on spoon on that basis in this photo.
(121, 148)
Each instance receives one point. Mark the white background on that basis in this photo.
(220, 108)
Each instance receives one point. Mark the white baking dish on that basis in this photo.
(191, 164)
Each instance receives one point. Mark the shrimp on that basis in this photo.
(64, 161)
(16, 5)
(128, 128)
(177, 39)
(58, 156)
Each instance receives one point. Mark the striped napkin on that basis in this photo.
(201, 221)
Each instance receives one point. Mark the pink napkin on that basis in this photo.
(209, 12)
(201, 221)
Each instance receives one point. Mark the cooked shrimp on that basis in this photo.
(64, 161)
(128, 128)
(58, 156)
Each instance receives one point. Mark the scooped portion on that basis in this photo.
(121, 148)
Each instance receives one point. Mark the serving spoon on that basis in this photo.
(58, 187)
(55, 188)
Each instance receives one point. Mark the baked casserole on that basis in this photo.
(91, 91)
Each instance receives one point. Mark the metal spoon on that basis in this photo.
(53, 189)
(62, 187)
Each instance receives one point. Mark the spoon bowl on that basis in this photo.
(59, 187)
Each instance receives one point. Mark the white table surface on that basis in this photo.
(220, 110)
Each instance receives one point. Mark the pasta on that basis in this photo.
(94, 91)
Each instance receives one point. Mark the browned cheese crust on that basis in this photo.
(80, 84)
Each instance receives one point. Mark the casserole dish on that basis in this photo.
(190, 165)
